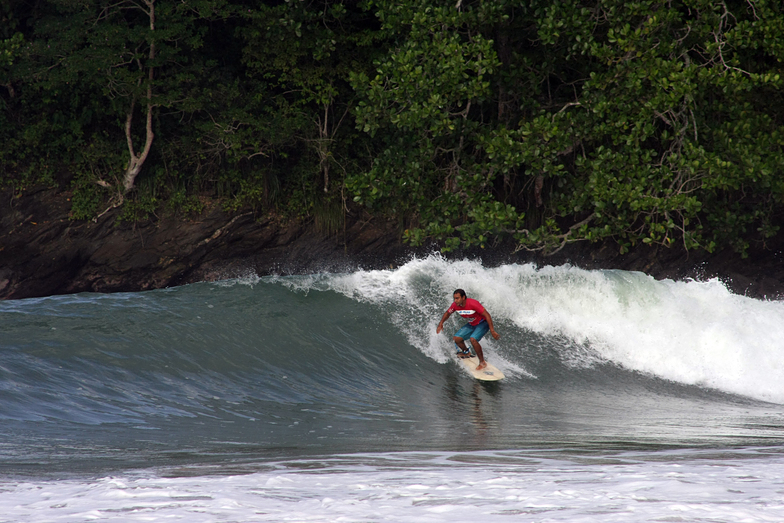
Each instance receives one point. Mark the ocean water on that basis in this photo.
(329, 397)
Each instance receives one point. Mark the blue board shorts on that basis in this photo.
(473, 331)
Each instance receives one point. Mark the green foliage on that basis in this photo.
(470, 122)
(424, 100)
(250, 194)
(85, 200)
(140, 208)
(92, 67)
(670, 121)
(644, 122)
(189, 205)
(142, 205)
(328, 215)
(9, 48)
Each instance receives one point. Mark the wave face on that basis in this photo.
(331, 363)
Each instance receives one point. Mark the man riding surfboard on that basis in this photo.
(479, 322)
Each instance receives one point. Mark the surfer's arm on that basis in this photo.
(445, 317)
(486, 316)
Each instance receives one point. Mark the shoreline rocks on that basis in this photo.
(43, 252)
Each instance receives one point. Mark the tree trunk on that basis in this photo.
(137, 160)
(323, 147)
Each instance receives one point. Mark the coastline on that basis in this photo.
(43, 252)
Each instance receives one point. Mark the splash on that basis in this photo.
(247, 277)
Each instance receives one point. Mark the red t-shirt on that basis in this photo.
(472, 311)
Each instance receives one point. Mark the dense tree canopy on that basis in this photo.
(470, 121)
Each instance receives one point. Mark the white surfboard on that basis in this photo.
(489, 373)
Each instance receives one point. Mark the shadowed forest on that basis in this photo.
(468, 122)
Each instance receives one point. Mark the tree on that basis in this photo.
(138, 56)
(299, 56)
(644, 122)
(671, 136)
(425, 103)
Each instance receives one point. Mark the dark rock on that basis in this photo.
(43, 252)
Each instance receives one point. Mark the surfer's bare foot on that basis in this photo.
(481, 366)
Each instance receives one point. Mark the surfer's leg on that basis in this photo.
(479, 333)
(479, 354)
(462, 348)
(460, 337)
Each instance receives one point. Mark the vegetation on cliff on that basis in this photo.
(469, 121)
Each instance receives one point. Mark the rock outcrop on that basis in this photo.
(43, 252)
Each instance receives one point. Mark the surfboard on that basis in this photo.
(489, 373)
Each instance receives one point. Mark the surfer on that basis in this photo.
(479, 322)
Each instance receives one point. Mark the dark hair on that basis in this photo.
(461, 292)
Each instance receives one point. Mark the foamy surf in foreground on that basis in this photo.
(690, 332)
(525, 486)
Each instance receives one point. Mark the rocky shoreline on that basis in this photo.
(43, 252)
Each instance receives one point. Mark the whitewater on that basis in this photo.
(330, 397)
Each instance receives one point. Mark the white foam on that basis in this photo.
(691, 332)
(740, 485)
(247, 277)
